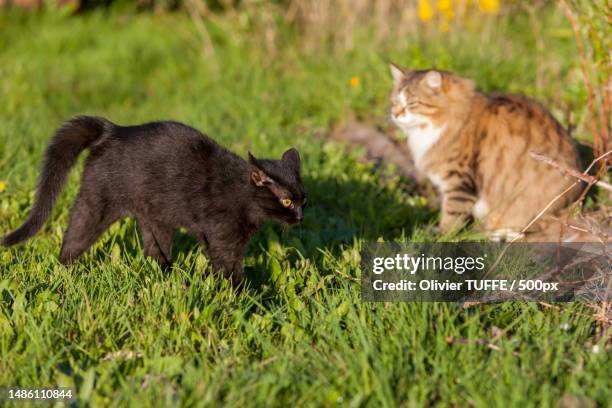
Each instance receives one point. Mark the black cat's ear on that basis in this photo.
(292, 157)
(252, 160)
(260, 178)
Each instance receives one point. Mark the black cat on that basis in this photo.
(167, 175)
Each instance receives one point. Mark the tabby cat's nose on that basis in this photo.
(397, 110)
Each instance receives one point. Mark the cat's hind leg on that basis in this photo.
(156, 241)
(89, 218)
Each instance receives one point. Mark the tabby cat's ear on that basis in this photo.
(397, 72)
(433, 79)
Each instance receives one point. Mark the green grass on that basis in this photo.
(121, 332)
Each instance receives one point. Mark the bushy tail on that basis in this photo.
(69, 141)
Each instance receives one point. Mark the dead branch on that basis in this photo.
(554, 200)
(541, 213)
(601, 235)
(572, 172)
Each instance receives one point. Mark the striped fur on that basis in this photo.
(478, 151)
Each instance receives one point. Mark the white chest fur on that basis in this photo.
(421, 139)
(419, 130)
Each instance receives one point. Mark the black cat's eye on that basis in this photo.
(286, 202)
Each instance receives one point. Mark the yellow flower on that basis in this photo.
(355, 81)
(426, 12)
(488, 6)
(2, 185)
(446, 8)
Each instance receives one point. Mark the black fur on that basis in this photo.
(167, 175)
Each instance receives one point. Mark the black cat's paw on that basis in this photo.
(237, 280)
(165, 266)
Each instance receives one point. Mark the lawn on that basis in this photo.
(122, 332)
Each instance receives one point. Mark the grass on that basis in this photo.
(121, 332)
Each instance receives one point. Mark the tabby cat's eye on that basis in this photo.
(286, 202)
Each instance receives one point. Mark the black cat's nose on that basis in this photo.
(299, 215)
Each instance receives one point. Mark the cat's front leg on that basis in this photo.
(227, 259)
(456, 209)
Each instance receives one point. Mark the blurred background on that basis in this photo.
(266, 75)
(263, 75)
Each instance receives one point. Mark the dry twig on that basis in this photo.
(554, 200)
(572, 172)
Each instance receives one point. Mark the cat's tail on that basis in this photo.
(69, 141)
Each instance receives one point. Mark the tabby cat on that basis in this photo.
(166, 175)
(475, 149)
